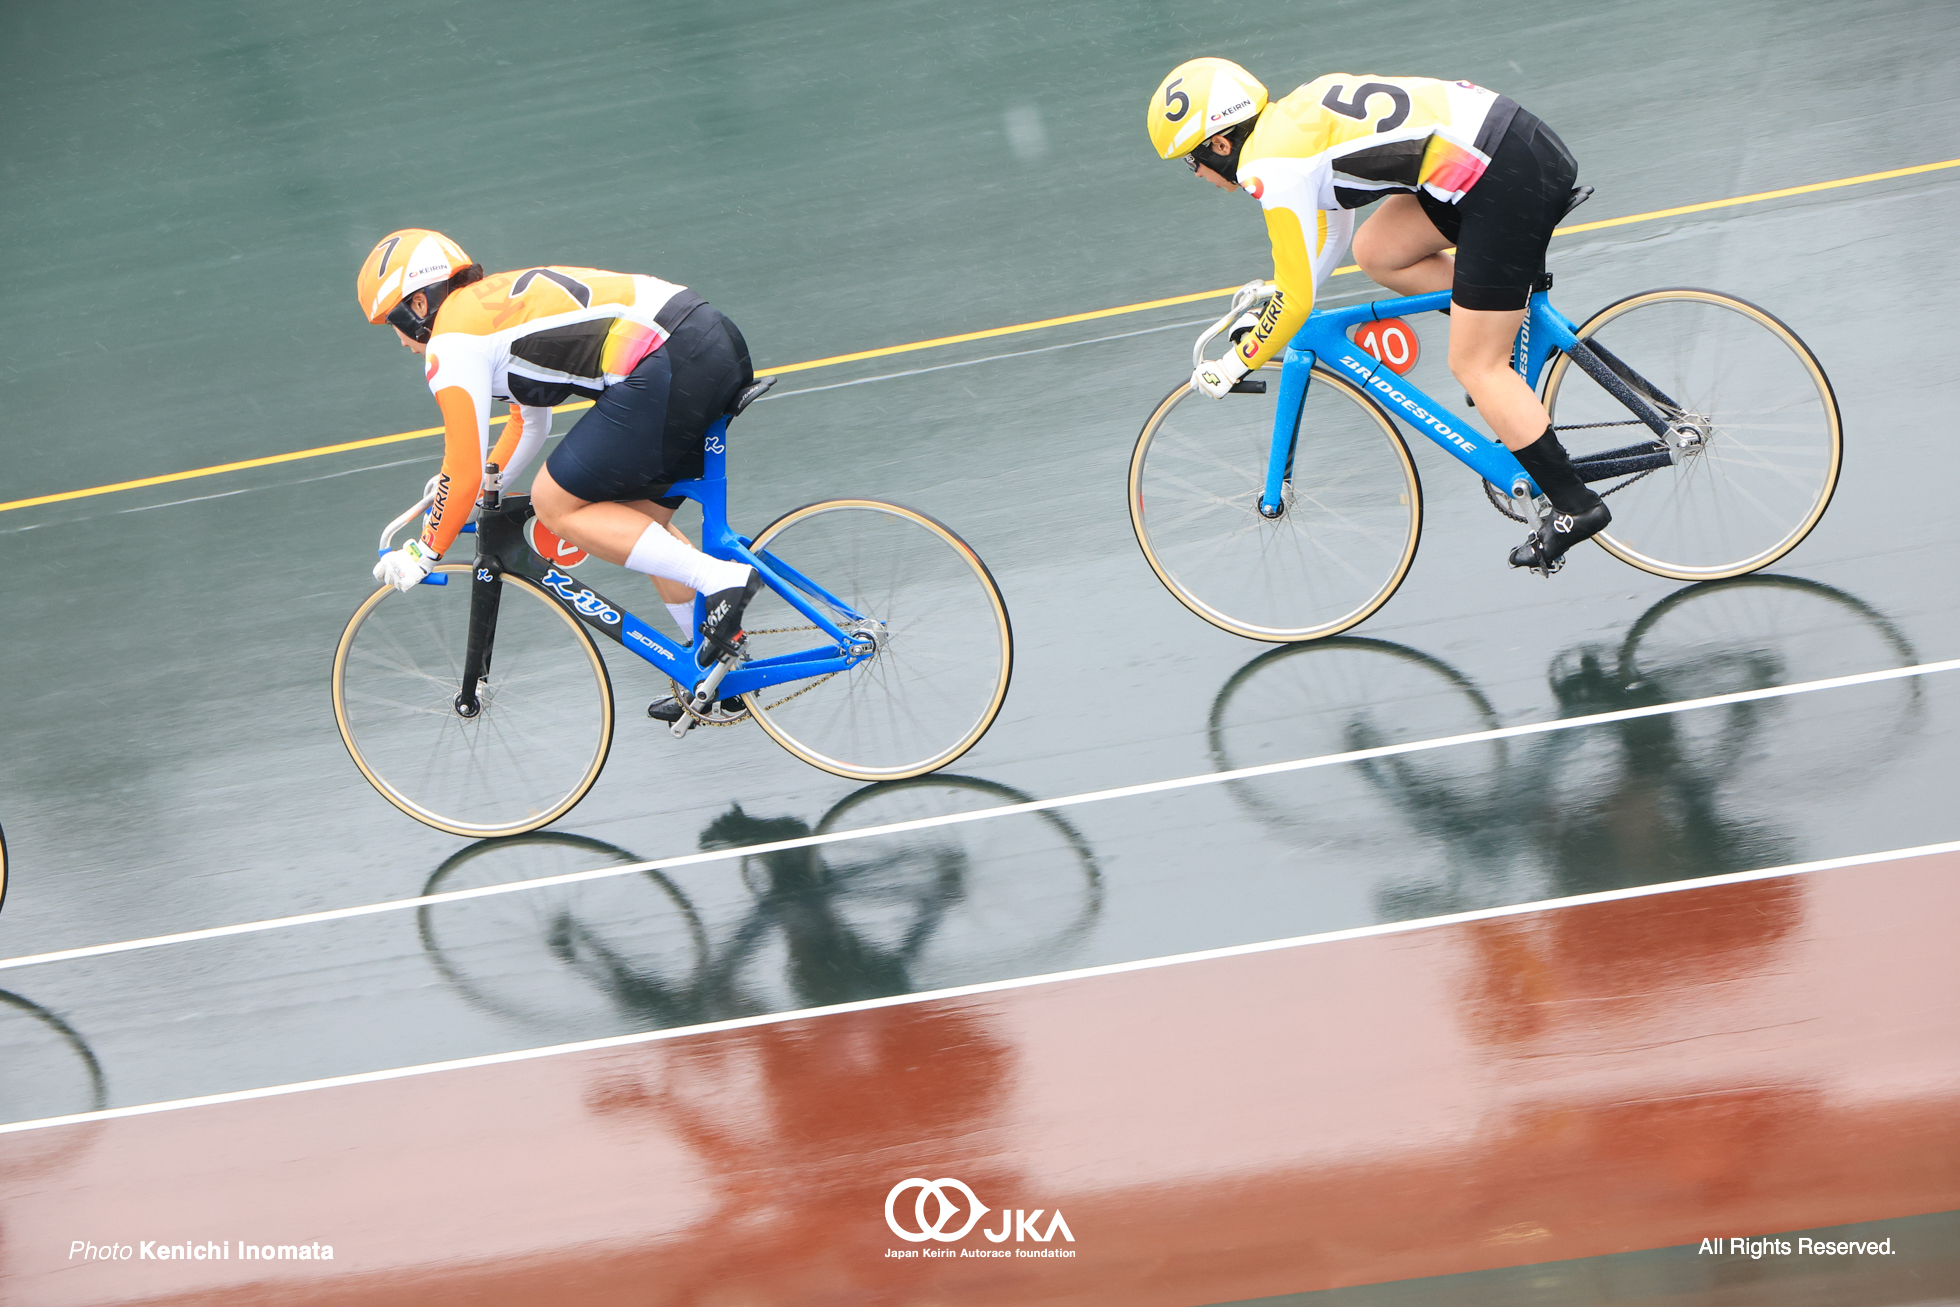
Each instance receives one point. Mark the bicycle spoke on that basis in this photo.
(1335, 552)
(1770, 461)
(544, 720)
(933, 684)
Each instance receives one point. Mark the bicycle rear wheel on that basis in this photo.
(1344, 542)
(1770, 446)
(535, 746)
(944, 647)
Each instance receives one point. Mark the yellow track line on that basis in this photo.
(939, 341)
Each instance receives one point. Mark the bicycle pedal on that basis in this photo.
(683, 726)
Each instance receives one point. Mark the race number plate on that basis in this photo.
(559, 553)
(1393, 341)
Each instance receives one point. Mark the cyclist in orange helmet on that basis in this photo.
(1453, 164)
(659, 363)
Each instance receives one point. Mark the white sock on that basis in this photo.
(658, 553)
(683, 615)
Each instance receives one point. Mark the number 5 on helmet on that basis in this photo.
(1200, 99)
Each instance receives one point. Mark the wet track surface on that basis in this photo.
(189, 199)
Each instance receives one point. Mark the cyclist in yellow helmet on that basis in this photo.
(1453, 164)
(660, 363)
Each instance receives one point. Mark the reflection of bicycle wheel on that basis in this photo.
(1755, 632)
(1767, 440)
(1344, 694)
(541, 734)
(916, 910)
(1351, 510)
(571, 959)
(943, 650)
(50, 1070)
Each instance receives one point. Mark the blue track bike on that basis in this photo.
(1294, 515)
(478, 702)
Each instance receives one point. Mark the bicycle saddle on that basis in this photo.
(1580, 194)
(748, 395)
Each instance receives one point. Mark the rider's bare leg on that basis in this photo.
(614, 531)
(1480, 359)
(1401, 249)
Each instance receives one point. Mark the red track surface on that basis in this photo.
(1774, 1055)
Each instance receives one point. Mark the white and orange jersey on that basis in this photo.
(1342, 141)
(534, 337)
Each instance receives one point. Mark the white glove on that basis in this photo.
(1240, 325)
(1217, 377)
(404, 568)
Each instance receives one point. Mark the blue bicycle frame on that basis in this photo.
(501, 548)
(1544, 333)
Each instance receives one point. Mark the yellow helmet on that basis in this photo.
(404, 262)
(1201, 98)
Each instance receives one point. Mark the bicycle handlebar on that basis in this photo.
(1253, 292)
(388, 532)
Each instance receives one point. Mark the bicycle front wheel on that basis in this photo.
(944, 649)
(1765, 461)
(538, 740)
(1351, 510)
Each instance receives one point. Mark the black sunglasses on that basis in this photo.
(403, 319)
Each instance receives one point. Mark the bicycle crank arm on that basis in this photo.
(703, 698)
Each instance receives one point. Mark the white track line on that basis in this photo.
(987, 987)
(982, 814)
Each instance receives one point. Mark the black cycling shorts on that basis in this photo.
(645, 433)
(1502, 225)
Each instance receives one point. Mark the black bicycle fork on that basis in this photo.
(498, 534)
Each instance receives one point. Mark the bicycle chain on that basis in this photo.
(746, 715)
(1502, 502)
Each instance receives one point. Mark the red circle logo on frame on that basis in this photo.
(560, 553)
(1393, 341)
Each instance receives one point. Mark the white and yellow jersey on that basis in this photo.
(1345, 140)
(533, 337)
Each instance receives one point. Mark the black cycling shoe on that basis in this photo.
(668, 709)
(1544, 549)
(721, 630)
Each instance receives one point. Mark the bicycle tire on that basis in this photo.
(945, 652)
(1321, 567)
(1757, 631)
(1019, 896)
(52, 1071)
(580, 960)
(1739, 503)
(1347, 694)
(525, 760)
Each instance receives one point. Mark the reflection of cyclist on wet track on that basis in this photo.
(660, 363)
(1454, 165)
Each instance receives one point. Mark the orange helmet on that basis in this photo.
(404, 262)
